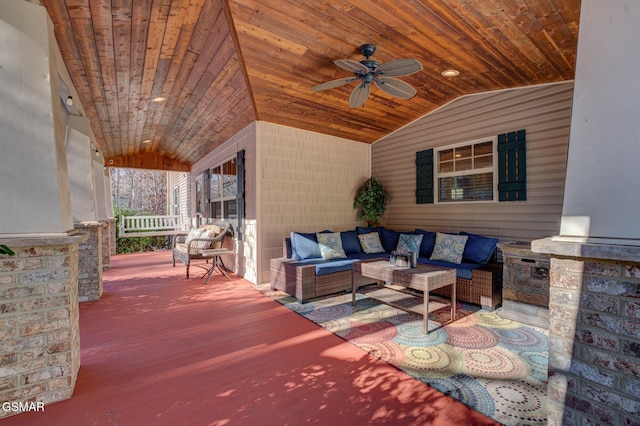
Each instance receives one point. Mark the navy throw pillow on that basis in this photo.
(304, 245)
(350, 242)
(428, 242)
(479, 248)
(389, 239)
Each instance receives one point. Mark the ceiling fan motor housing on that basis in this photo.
(367, 50)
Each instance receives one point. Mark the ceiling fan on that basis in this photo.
(368, 71)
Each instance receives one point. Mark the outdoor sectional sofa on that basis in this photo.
(303, 273)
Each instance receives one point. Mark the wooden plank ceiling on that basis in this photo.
(223, 64)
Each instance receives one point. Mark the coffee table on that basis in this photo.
(216, 262)
(423, 278)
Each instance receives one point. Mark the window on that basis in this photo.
(223, 189)
(176, 201)
(466, 172)
(199, 193)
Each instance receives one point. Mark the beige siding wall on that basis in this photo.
(306, 183)
(544, 111)
(182, 181)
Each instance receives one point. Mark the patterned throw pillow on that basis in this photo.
(193, 233)
(449, 247)
(409, 242)
(370, 243)
(331, 246)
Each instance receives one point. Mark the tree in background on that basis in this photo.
(138, 192)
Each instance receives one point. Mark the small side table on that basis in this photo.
(216, 262)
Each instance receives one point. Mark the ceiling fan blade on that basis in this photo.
(353, 66)
(333, 83)
(359, 95)
(399, 67)
(395, 87)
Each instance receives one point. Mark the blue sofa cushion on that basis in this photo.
(364, 230)
(350, 242)
(305, 245)
(463, 270)
(428, 242)
(478, 249)
(366, 256)
(389, 239)
(324, 267)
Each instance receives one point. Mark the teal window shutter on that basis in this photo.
(424, 177)
(512, 166)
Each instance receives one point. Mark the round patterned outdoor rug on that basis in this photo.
(494, 365)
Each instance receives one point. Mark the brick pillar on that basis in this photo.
(39, 332)
(90, 262)
(594, 333)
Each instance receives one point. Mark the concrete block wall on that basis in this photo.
(594, 334)
(39, 332)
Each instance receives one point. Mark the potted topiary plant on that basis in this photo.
(371, 201)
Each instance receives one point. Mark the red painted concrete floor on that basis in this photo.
(161, 350)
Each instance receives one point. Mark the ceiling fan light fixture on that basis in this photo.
(450, 73)
(69, 100)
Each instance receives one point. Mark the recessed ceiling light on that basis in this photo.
(450, 73)
(159, 99)
(146, 141)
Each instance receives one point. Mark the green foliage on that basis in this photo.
(136, 244)
(371, 201)
(6, 250)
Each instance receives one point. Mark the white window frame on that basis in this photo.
(223, 199)
(493, 169)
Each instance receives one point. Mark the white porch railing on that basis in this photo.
(150, 226)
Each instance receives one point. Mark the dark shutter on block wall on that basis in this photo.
(512, 166)
(240, 194)
(424, 177)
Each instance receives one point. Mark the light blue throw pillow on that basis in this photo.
(331, 246)
(408, 243)
(449, 247)
(370, 243)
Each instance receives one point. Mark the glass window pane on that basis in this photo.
(464, 165)
(446, 155)
(446, 166)
(216, 210)
(215, 189)
(463, 152)
(483, 161)
(199, 201)
(466, 188)
(483, 148)
(230, 210)
(230, 180)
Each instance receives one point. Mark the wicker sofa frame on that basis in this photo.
(185, 251)
(299, 280)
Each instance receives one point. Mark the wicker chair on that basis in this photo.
(187, 249)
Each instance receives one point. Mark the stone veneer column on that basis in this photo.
(594, 333)
(108, 238)
(90, 262)
(39, 332)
